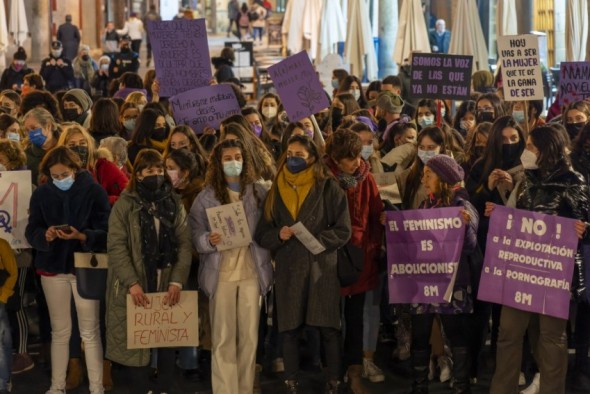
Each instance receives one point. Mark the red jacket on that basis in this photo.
(110, 177)
(365, 207)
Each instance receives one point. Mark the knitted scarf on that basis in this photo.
(294, 188)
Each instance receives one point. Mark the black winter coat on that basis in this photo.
(11, 77)
(57, 77)
(85, 206)
(561, 193)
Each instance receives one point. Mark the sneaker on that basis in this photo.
(534, 387)
(402, 352)
(521, 379)
(278, 365)
(446, 366)
(55, 391)
(372, 372)
(22, 362)
(291, 386)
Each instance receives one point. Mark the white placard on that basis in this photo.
(15, 196)
(521, 67)
(307, 238)
(231, 223)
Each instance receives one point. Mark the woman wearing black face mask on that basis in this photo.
(489, 108)
(495, 178)
(306, 286)
(151, 131)
(575, 117)
(76, 104)
(149, 250)
(111, 178)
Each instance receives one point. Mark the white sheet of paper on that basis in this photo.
(230, 221)
(307, 238)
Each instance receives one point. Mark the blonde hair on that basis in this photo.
(136, 98)
(68, 130)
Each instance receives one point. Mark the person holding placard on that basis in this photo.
(549, 187)
(441, 179)
(343, 150)
(306, 285)
(68, 214)
(149, 251)
(233, 279)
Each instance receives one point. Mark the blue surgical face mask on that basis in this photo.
(296, 164)
(356, 94)
(129, 124)
(13, 137)
(367, 151)
(335, 83)
(518, 116)
(64, 184)
(426, 121)
(37, 137)
(232, 168)
(426, 155)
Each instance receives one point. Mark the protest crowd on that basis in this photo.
(325, 226)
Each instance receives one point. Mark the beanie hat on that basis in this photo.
(20, 54)
(80, 97)
(447, 169)
(390, 102)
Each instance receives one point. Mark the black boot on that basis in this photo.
(420, 365)
(461, 370)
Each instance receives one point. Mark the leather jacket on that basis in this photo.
(563, 193)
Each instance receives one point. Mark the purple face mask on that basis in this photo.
(257, 129)
(309, 133)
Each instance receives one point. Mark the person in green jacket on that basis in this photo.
(149, 250)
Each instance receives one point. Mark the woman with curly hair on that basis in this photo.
(183, 137)
(234, 279)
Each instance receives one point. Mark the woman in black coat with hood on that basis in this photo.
(223, 65)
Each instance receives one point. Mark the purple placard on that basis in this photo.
(574, 82)
(436, 75)
(207, 106)
(423, 252)
(529, 261)
(298, 86)
(181, 55)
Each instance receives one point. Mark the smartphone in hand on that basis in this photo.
(64, 227)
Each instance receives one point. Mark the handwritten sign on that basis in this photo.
(574, 82)
(230, 221)
(423, 252)
(521, 68)
(529, 261)
(181, 54)
(161, 325)
(441, 76)
(298, 86)
(202, 107)
(307, 238)
(15, 195)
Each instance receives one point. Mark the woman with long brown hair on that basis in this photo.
(234, 279)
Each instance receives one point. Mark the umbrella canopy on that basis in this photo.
(3, 36)
(576, 30)
(18, 26)
(359, 49)
(467, 37)
(293, 25)
(412, 35)
(506, 22)
(311, 24)
(332, 29)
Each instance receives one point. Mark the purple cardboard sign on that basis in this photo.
(423, 252)
(181, 55)
(529, 261)
(298, 86)
(207, 106)
(436, 75)
(574, 82)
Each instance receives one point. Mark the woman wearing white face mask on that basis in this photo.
(549, 187)
(68, 214)
(233, 279)
(351, 84)
(101, 79)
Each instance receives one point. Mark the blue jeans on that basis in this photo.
(258, 33)
(5, 348)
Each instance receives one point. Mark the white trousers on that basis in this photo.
(58, 292)
(234, 311)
